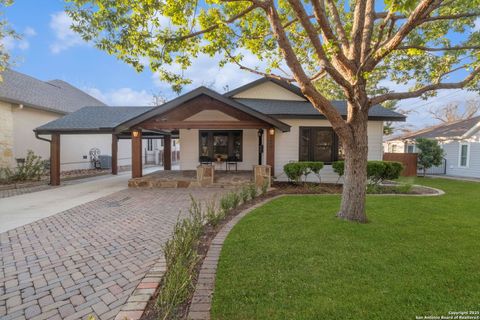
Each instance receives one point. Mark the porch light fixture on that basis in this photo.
(271, 131)
(135, 133)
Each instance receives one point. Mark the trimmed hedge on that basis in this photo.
(295, 170)
(377, 171)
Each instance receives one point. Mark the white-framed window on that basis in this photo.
(464, 155)
(150, 144)
(410, 148)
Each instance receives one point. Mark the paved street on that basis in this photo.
(88, 259)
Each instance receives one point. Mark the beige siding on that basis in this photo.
(6, 135)
(269, 90)
(189, 150)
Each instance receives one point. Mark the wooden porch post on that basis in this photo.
(271, 149)
(136, 153)
(55, 160)
(167, 153)
(114, 154)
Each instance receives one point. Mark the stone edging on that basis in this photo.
(202, 297)
(438, 192)
(136, 304)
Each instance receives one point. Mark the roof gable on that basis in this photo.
(269, 89)
(456, 130)
(55, 96)
(201, 91)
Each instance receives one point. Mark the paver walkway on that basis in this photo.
(87, 260)
(21, 209)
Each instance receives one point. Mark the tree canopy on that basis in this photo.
(5, 31)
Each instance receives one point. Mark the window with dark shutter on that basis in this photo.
(319, 144)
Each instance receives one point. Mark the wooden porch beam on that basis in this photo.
(167, 153)
(204, 125)
(55, 160)
(271, 149)
(114, 154)
(136, 153)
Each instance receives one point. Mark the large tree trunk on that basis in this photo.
(355, 175)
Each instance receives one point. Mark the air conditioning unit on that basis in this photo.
(105, 162)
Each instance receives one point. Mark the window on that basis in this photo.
(410, 148)
(220, 145)
(394, 148)
(319, 144)
(149, 144)
(464, 154)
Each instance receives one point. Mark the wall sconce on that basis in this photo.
(271, 131)
(135, 133)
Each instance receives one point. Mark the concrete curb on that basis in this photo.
(202, 297)
(136, 304)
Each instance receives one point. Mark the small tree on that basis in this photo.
(431, 154)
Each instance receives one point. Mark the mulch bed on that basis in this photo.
(152, 313)
(64, 175)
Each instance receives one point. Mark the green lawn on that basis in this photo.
(292, 259)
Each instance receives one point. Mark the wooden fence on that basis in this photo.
(409, 161)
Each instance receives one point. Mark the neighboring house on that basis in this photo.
(460, 140)
(27, 103)
(263, 122)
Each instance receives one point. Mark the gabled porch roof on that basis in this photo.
(201, 91)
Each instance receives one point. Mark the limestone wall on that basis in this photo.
(6, 135)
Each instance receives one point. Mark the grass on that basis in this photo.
(292, 259)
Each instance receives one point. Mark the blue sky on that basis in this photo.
(50, 50)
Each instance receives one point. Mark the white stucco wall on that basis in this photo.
(74, 150)
(452, 155)
(25, 120)
(268, 90)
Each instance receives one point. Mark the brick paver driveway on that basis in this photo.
(87, 260)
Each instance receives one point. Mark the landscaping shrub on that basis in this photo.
(253, 191)
(245, 193)
(296, 170)
(212, 215)
(32, 169)
(377, 171)
(181, 257)
(264, 188)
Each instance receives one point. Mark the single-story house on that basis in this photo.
(264, 122)
(460, 141)
(27, 103)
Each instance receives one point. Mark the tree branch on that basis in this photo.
(321, 103)
(423, 9)
(215, 26)
(357, 30)
(342, 35)
(455, 48)
(432, 87)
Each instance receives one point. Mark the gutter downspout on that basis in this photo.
(40, 138)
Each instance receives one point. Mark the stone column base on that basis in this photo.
(262, 175)
(205, 174)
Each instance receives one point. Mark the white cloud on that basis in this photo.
(65, 37)
(22, 43)
(122, 96)
(205, 71)
(477, 25)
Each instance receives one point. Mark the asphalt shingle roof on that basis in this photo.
(93, 119)
(56, 95)
(305, 108)
(452, 130)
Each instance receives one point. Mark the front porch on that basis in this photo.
(190, 179)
